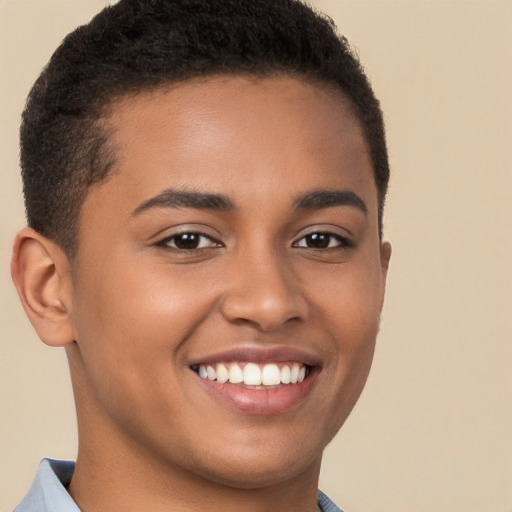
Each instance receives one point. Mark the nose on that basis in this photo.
(263, 292)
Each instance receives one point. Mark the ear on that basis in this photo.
(385, 256)
(41, 273)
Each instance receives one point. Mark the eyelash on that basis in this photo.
(166, 242)
(341, 242)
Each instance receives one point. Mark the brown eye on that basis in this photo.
(318, 240)
(189, 241)
(322, 241)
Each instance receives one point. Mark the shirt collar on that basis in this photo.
(48, 492)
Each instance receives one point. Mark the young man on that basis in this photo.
(204, 183)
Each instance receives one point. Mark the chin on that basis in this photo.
(255, 465)
(251, 475)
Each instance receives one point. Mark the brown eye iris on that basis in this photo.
(187, 241)
(318, 240)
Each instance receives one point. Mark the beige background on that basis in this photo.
(433, 431)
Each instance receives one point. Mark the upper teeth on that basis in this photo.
(253, 374)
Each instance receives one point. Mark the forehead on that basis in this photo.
(237, 135)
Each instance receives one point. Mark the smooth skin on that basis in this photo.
(160, 283)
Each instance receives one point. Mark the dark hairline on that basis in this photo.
(138, 46)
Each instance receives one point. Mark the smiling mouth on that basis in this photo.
(257, 376)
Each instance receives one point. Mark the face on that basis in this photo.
(229, 279)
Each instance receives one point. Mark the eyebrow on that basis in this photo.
(319, 199)
(315, 200)
(182, 199)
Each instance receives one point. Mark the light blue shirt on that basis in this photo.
(48, 492)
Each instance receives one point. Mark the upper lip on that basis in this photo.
(260, 355)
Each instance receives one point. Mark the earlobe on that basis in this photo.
(40, 271)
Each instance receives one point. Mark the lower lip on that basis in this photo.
(274, 400)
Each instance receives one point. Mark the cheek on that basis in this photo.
(126, 300)
(350, 307)
(349, 298)
(130, 321)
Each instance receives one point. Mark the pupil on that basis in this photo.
(318, 240)
(187, 241)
